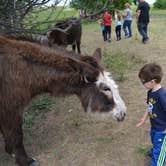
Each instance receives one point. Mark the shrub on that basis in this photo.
(160, 4)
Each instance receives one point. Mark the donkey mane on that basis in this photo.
(36, 53)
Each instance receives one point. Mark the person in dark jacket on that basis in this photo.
(143, 19)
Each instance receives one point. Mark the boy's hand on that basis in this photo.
(165, 131)
(140, 123)
(142, 120)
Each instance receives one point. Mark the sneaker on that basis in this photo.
(144, 41)
(109, 40)
(149, 163)
(149, 154)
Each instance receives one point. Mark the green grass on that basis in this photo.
(143, 149)
(117, 63)
(40, 104)
(4, 160)
(104, 140)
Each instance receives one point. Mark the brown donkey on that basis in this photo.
(28, 69)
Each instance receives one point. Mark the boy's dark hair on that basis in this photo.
(151, 71)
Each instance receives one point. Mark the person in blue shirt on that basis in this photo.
(118, 24)
(151, 76)
(127, 24)
(102, 26)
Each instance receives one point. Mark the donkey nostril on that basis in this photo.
(123, 114)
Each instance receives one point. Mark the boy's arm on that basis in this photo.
(142, 120)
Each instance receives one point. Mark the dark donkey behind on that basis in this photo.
(66, 32)
(28, 69)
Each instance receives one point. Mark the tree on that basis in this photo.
(17, 16)
(96, 7)
(160, 4)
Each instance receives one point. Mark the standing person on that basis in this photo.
(143, 19)
(118, 24)
(127, 17)
(102, 27)
(107, 23)
(150, 76)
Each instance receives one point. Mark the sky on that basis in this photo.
(150, 1)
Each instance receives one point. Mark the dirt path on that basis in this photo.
(68, 138)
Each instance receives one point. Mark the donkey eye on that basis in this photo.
(104, 87)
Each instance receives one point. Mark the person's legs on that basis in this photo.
(108, 32)
(129, 28)
(124, 28)
(159, 149)
(142, 28)
(116, 31)
(145, 29)
(119, 32)
(103, 34)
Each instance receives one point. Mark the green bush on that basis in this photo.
(40, 104)
(160, 4)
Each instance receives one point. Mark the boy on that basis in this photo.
(101, 22)
(118, 24)
(150, 76)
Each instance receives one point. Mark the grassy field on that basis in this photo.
(58, 132)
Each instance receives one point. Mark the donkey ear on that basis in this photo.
(87, 71)
(97, 54)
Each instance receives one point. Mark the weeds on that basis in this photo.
(117, 63)
(104, 140)
(143, 149)
(38, 105)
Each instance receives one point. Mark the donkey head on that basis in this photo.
(102, 96)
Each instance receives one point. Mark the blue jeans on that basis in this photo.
(118, 32)
(107, 32)
(142, 28)
(158, 139)
(127, 24)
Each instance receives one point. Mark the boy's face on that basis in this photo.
(149, 84)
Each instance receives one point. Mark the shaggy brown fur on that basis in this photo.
(28, 69)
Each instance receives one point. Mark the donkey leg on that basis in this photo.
(13, 136)
(78, 47)
(74, 47)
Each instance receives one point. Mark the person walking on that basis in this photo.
(127, 17)
(118, 24)
(107, 23)
(102, 27)
(142, 14)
